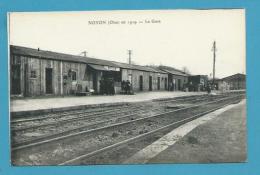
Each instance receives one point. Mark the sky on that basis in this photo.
(177, 38)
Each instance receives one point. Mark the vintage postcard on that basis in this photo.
(127, 87)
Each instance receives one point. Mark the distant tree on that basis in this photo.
(186, 70)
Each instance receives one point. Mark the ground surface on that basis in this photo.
(58, 102)
(223, 139)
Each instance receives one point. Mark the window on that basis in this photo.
(33, 74)
(73, 75)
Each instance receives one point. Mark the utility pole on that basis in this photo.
(214, 60)
(129, 59)
(85, 53)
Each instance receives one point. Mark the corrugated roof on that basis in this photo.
(100, 67)
(19, 50)
(235, 76)
(57, 56)
(137, 67)
(173, 71)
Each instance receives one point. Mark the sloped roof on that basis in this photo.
(138, 67)
(57, 56)
(173, 71)
(235, 76)
(25, 51)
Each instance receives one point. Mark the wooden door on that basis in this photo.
(16, 80)
(158, 83)
(141, 83)
(179, 84)
(150, 83)
(48, 80)
(95, 82)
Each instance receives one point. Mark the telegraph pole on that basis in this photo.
(129, 59)
(214, 60)
(85, 53)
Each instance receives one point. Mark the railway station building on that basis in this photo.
(178, 79)
(233, 82)
(35, 72)
(197, 82)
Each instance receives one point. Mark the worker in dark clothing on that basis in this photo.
(112, 87)
(128, 86)
(123, 86)
(208, 89)
(101, 86)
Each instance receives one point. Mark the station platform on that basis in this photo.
(216, 137)
(47, 103)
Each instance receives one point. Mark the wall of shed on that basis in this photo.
(234, 84)
(198, 82)
(36, 86)
(135, 81)
(177, 82)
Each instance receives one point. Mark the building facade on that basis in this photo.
(233, 82)
(177, 79)
(35, 72)
(197, 82)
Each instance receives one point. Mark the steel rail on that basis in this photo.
(49, 136)
(136, 138)
(77, 118)
(113, 125)
(63, 114)
(85, 110)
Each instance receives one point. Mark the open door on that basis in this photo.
(158, 83)
(141, 83)
(48, 80)
(166, 84)
(179, 84)
(95, 82)
(16, 80)
(150, 83)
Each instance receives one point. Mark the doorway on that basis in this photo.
(158, 83)
(165, 84)
(141, 83)
(179, 84)
(16, 80)
(150, 83)
(48, 80)
(95, 82)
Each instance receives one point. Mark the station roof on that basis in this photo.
(43, 54)
(25, 51)
(103, 68)
(173, 71)
(138, 67)
(234, 77)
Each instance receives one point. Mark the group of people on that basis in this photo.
(126, 87)
(107, 86)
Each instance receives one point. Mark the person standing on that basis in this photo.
(208, 89)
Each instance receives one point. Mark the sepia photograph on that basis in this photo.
(127, 87)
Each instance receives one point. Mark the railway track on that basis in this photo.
(107, 120)
(17, 123)
(50, 130)
(34, 125)
(29, 118)
(150, 123)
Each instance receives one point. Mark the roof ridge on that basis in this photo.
(76, 58)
